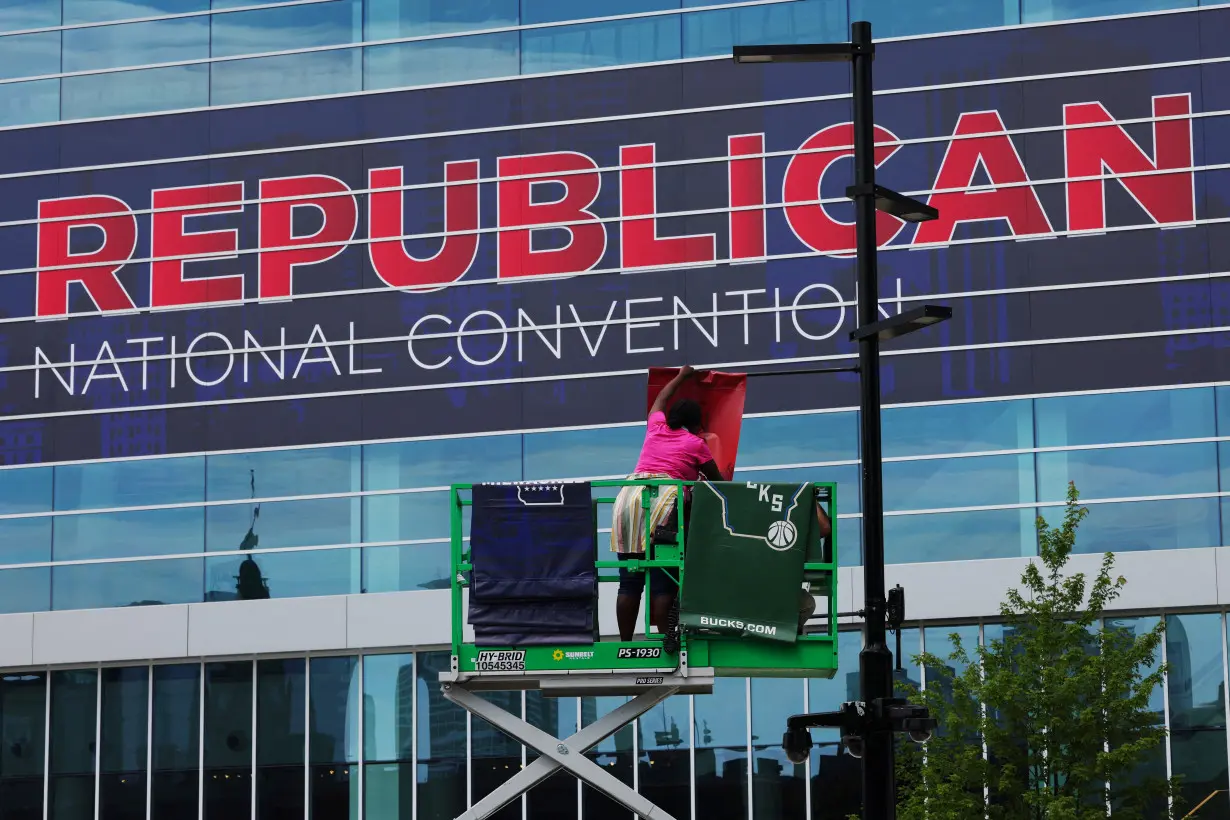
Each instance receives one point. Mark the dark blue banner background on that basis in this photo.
(87, 430)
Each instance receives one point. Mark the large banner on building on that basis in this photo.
(517, 254)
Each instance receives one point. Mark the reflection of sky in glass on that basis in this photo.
(388, 682)
(96, 11)
(665, 726)
(1194, 654)
(161, 41)
(30, 55)
(642, 40)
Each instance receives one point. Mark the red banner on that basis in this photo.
(721, 397)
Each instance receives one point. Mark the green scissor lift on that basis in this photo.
(640, 668)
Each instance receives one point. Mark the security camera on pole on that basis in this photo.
(867, 726)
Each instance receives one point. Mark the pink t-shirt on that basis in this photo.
(676, 453)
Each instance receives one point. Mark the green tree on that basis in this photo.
(1061, 703)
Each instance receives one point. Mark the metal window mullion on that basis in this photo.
(747, 704)
(469, 760)
(692, 755)
(200, 796)
(807, 771)
(982, 706)
(580, 785)
(47, 748)
(525, 802)
(361, 753)
(98, 713)
(307, 737)
(414, 739)
(636, 759)
(1166, 714)
(255, 701)
(1225, 676)
(149, 746)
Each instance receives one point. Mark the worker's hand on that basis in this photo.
(686, 371)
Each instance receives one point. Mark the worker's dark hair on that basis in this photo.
(685, 413)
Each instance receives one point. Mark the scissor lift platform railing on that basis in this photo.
(641, 669)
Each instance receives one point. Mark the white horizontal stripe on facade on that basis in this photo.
(158, 17)
(604, 119)
(589, 70)
(231, 58)
(204, 553)
(672, 163)
(617, 425)
(802, 465)
(612, 322)
(640, 371)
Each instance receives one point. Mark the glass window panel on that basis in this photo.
(900, 18)
(556, 799)
(834, 774)
(292, 27)
(334, 741)
(25, 490)
(910, 674)
(546, 11)
(664, 735)
(387, 19)
(127, 534)
(452, 60)
(280, 738)
(441, 462)
(16, 15)
(284, 524)
(622, 42)
(709, 33)
(778, 786)
(1041, 11)
(283, 473)
(614, 755)
(1223, 460)
(404, 569)
(388, 697)
(409, 516)
(134, 92)
(721, 750)
(494, 756)
(228, 740)
(176, 740)
(1225, 522)
(125, 714)
(1223, 411)
(940, 645)
(1132, 471)
(772, 440)
(23, 717)
(96, 11)
(441, 744)
(29, 103)
(611, 451)
(958, 482)
(1197, 709)
(285, 77)
(1145, 525)
(849, 542)
(389, 734)
(961, 536)
(25, 540)
(30, 55)
(74, 710)
(973, 427)
(159, 41)
(129, 483)
(1108, 418)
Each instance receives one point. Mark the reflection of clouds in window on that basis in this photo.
(408, 18)
(626, 41)
(163, 41)
(29, 103)
(441, 61)
(30, 55)
(16, 15)
(96, 11)
(321, 24)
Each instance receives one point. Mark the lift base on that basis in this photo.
(568, 754)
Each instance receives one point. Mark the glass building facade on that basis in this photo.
(81, 59)
(356, 727)
(371, 736)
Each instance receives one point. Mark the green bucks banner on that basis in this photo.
(743, 560)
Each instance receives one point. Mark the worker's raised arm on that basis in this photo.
(664, 395)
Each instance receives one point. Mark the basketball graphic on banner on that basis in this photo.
(782, 535)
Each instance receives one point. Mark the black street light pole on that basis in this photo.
(868, 726)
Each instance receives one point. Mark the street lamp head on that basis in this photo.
(890, 202)
(903, 323)
(791, 53)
